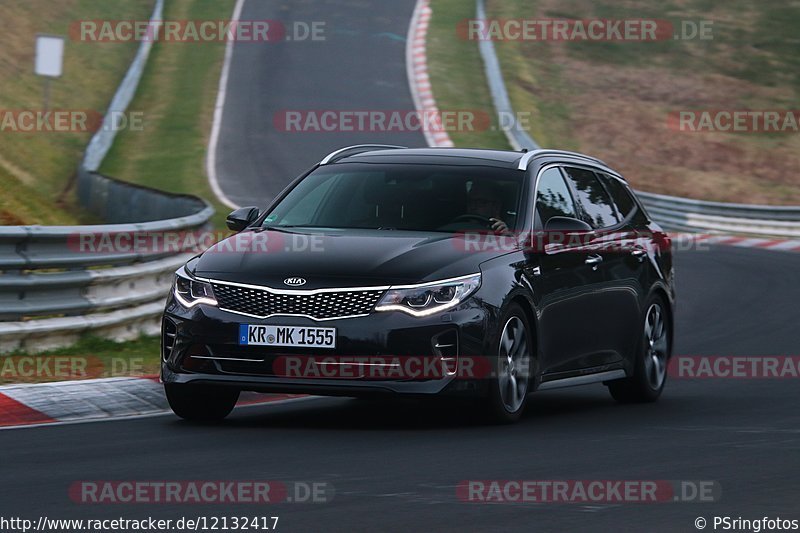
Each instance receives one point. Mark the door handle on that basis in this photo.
(594, 260)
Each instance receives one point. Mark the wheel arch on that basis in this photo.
(530, 314)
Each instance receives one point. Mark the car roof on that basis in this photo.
(454, 156)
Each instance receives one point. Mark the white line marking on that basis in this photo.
(211, 155)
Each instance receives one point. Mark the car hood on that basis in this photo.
(342, 258)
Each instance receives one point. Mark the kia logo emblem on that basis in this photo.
(294, 282)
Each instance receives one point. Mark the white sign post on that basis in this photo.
(49, 61)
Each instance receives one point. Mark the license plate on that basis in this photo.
(297, 336)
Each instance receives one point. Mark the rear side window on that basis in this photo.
(595, 203)
(553, 198)
(621, 196)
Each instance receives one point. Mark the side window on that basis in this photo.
(620, 194)
(595, 203)
(553, 198)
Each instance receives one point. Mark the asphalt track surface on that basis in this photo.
(395, 465)
(360, 65)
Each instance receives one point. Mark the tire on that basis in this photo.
(514, 371)
(652, 357)
(201, 403)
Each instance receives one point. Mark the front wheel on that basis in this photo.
(650, 368)
(508, 393)
(201, 403)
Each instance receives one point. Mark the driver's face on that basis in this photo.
(483, 205)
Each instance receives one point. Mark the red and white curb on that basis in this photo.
(761, 243)
(94, 399)
(418, 77)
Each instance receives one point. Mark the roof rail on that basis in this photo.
(356, 149)
(527, 156)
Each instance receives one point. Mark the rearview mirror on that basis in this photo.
(567, 225)
(241, 218)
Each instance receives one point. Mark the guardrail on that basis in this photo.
(673, 213)
(57, 282)
(52, 289)
(684, 214)
(517, 136)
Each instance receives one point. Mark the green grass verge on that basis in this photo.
(176, 98)
(612, 99)
(91, 357)
(457, 84)
(535, 83)
(36, 168)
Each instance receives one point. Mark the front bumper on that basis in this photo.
(200, 346)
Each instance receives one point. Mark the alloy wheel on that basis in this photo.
(656, 347)
(514, 364)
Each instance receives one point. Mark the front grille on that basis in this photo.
(321, 305)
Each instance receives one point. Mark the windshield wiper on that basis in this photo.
(277, 228)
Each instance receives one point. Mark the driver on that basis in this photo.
(484, 200)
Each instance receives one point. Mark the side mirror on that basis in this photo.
(566, 225)
(558, 232)
(241, 218)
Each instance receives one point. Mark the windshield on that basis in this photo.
(402, 197)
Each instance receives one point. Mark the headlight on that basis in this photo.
(429, 298)
(190, 292)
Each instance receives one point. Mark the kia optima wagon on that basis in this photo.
(427, 272)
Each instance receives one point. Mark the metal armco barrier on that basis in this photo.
(673, 213)
(52, 275)
(684, 214)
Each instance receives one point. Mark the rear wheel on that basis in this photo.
(650, 368)
(508, 392)
(201, 403)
